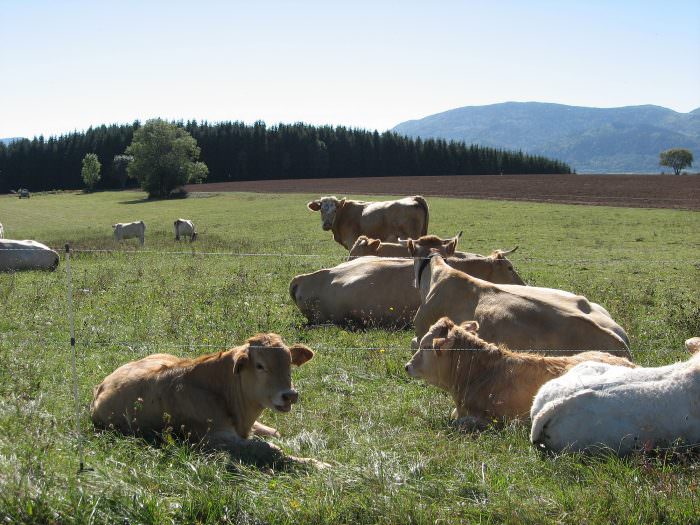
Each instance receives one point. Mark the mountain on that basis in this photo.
(590, 140)
(10, 140)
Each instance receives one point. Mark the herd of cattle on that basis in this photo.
(474, 321)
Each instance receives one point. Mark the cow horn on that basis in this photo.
(508, 251)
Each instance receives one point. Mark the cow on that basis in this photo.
(520, 317)
(214, 399)
(385, 220)
(2, 231)
(26, 255)
(599, 406)
(489, 384)
(186, 228)
(378, 291)
(130, 230)
(365, 246)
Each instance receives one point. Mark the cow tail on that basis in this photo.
(423, 204)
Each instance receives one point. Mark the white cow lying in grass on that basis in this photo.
(598, 405)
(185, 228)
(26, 255)
(130, 230)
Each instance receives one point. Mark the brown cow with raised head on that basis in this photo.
(365, 246)
(489, 384)
(214, 399)
(378, 291)
(385, 220)
(521, 317)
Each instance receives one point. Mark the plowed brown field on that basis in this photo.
(639, 191)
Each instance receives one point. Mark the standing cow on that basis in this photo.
(130, 230)
(384, 220)
(185, 228)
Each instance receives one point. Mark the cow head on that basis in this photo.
(264, 367)
(429, 362)
(502, 268)
(693, 345)
(364, 246)
(328, 206)
(422, 247)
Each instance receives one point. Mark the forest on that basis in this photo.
(239, 151)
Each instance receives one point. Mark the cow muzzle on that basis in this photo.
(286, 400)
(327, 226)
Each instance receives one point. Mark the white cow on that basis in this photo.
(598, 405)
(129, 230)
(26, 255)
(2, 231)
(185, 227)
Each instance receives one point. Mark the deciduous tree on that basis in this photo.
(677, 158)
(91, 171)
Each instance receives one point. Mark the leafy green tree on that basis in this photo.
(91, 171)
(677, 158)
(120, 164)
(164, 158)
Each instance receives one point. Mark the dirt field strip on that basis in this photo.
(636, 191)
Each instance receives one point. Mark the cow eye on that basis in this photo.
(259, 367)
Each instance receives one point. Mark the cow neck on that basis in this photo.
(335, 227)
(243, 411)
(421, 269)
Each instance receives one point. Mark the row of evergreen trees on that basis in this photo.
(236, 151)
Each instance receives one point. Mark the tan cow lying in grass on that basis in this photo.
(489, 384)
(214, 399)
(520, 317)
(378, 291)
(386, 220)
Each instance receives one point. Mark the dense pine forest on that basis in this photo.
(237, 151)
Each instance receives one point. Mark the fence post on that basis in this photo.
(73, 367)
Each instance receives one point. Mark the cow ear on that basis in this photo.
(300, 354)
(314, 205)
(240, 358)
(341, 203)
(470, 326)
(374, 243)
(439, 344)
(693, 345)
(411, 245)
(450, 248)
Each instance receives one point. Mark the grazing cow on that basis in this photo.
(186, 228)
(2, 231)
(365, 246)
(487, 383)
(597, 406)
(26, 255)
(378, 291)
(520, 317)
(214, 399)
(130, 230)
(385, 220)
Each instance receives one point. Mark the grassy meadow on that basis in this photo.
(395, 457)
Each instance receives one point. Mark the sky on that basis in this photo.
(67, 65)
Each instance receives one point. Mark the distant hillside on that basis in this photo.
(590, 140)
(10, 140)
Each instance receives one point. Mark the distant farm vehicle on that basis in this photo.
(23, 193)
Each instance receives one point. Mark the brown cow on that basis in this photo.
(488, 384)
(385, 220)
(214, 399)
(365, 246)
(521, 317)
(378, 291)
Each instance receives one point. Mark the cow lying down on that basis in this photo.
(489, 384)
(214, 399)
(16, 256)
(599, 406)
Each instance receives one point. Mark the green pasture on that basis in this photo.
(395, 457)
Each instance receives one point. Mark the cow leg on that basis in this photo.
(263, 430)
(177, 237)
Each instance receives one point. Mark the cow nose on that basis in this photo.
(290, 396)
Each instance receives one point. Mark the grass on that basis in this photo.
(396, 459)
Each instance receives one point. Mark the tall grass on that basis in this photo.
(395, 458)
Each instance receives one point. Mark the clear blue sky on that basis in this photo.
(67, 65)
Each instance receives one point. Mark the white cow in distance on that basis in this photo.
(186, 228)
(2, 231)
(130, 230)
(26, 255)
(597, 405)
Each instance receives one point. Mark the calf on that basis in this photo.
(598, 406)
(487, 383)
(214, 399)
(385, 220)
(521, 317)
(186, 228)
(130, 230)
